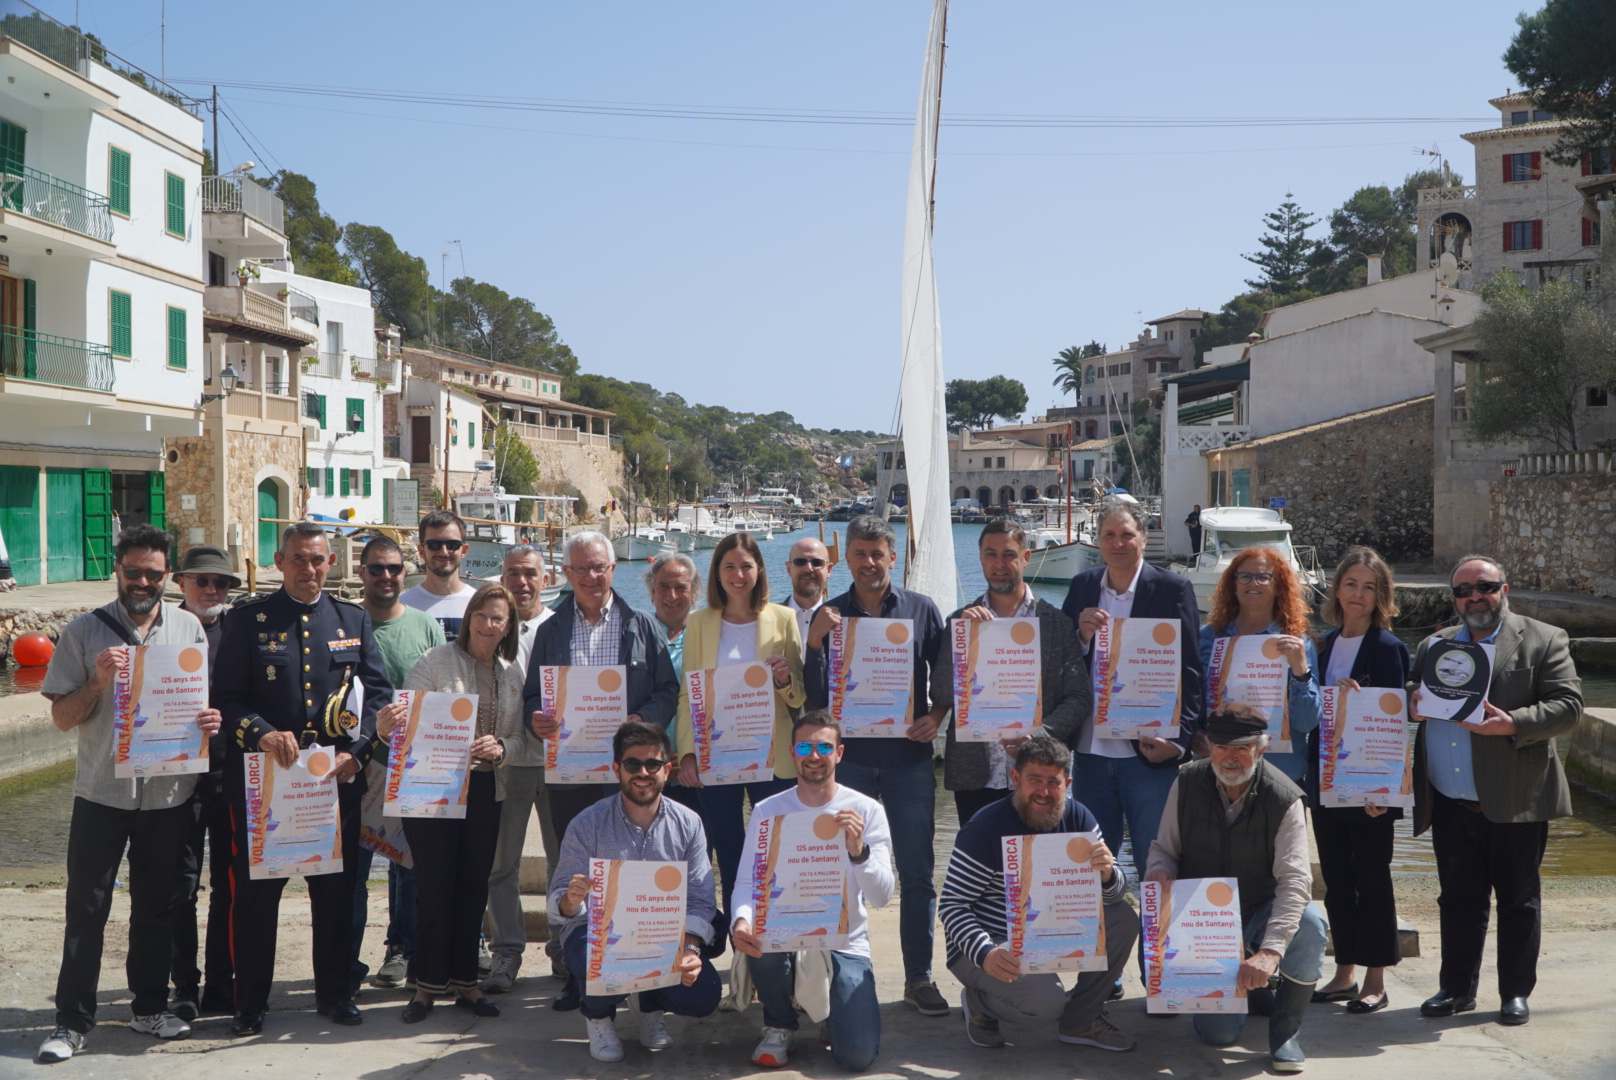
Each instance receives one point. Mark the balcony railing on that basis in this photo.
(43, 196)
(1441, 196)
(1564, 463)
(327, 364)
(24, 22)
(243, 195)
(303, 306)
(28, 354)
(392, 447)
(244, 302)
(545, 433)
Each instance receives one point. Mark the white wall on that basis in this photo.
(1411, 294)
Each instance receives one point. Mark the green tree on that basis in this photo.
(1286, 249)
(978, 402)
(1565, 56)
(516, 467)
(1145, 437)
(1069, 368)
(396, 279)
(485, 320)
(312, 235)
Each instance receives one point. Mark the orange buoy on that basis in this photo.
(32, 649)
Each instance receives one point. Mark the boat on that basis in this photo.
(642, 543)
(490, 516)
(1056, 560)
(1228, 530)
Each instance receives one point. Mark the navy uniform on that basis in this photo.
(288, 666)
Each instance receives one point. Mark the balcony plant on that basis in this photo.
(247, 270)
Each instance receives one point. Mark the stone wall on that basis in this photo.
(247, 452)
(1556, 533)
(15, 622)
(192, 468)
(596, 471)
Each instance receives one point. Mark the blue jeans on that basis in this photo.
(700, 998)
(722, 813)
(855, 1014)
(1114, 788)
(1303, 962)
(908, 791)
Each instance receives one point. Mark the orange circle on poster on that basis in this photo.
(755, 677)
(897, 633)
(1165, 633)
(1022, 633)
(319, 764)
(1079, 849)
(668, 878)
(825, 827)
(190, 661)
(1219, 895)
(1391, 704)
(1270, 648)
(609, 681)
(461, 709)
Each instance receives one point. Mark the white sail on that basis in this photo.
(925, 424)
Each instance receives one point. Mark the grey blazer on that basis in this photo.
(1518, 777)
(1068, 697)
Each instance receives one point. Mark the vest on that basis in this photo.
(1245, 850)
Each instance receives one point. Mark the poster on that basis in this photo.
(1249, 668)
(732, 720)
(872, 677)
(292, 828)
(157, 692)
(1366, 754)
(998, 684)
(591, 704)
(429, 755)
(1194, 943)
(377, 833)
(1454, 681)
(1056, 919)
(636, 924)
(800, 884)
(1138, 671)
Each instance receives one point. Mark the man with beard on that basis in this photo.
(151, 817)
(853, 1023)
(1235, 815)
(808, 567)
(441, 594)
(972, 909)
(1488, 788)
(638, 823)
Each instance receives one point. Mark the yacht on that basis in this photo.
(1228, 530)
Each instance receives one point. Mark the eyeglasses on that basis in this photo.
(1485, 588)
(204, 581)
(389, 569)
(136, 573)
(633, 765)
(444, 545)
(1246, 577)
(808, 749)
(800, 563)
(597, 570)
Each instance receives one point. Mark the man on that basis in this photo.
(595, 627)
(441, 594)
(674, 583)
(854, 1021)
(638, 823)
(150, 817)
(898, 772)
(1488, 788)
(523, 574)
(808, 567)
(402, 634)
(205, 578)
(974, 922)
(1129, 778)
(1192, 522)
(980, 773)
(293, 656)
(1235, 815)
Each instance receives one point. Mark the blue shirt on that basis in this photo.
(1449, 763)
(676, 653)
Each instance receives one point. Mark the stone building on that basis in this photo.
(1004, 465)
(1114, 382)
(1553, 522)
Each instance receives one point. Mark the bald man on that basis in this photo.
(808, 567)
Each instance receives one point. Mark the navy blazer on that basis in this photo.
(1159, 595)
(1382, 660)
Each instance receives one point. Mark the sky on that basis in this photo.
(754, 263)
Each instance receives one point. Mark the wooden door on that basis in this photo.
(420, 440)
(98, 538)
(269, 507)
(19, 520)
(64, 524)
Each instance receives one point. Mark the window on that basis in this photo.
(1001, 463)
(1116, 427)
(314, 407)
(1125, 399)
(1088, 375)
(174, 219)
(1539, 114)
(367, 482)
(333, 337)
(1519, 168)
(901, 464)
(177, 344)
(1523, 235)
(330, 482)
(1169, 335)
(471, 434)
(356, 414)
(1598, 397)
(1597, 162)
(120, 318)
(314, 478)
(344, 476)
(118, 180)
(1519, 117)
(1590, 233)
(1167, 365)
(886, 460)
(1193, 334)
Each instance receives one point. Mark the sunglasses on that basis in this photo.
(802, 562)
(444, 545)
(1246, 577)
(217, 581)
(388, 569)
(808, 749)
(135, 573)
(633, 765)
(1485, 588)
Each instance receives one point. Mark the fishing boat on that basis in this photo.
(642, 543)
(490, 518)
(1228, 530)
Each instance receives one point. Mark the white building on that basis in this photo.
(448, 436)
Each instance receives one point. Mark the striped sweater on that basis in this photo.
(972, 905)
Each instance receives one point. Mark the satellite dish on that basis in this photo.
(1447, 269)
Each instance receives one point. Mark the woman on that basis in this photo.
(1260, 594)
(739, 626)
(1355, 846)
(453, 857)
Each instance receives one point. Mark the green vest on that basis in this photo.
(1208, 847)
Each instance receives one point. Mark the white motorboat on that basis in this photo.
(1056, 559)
(1228, 530)
(490, 517)
(643, 543)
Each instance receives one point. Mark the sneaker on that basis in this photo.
(604, 1045)
(62, 1044)
(503, 977)
(923, 995)
(653, 1033)
(391, 973)
(1099, 1032)
(185, 1008)
(774, 1048)
(164, 1025)
(980, 1028)
(485, 959)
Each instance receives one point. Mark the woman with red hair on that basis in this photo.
(1260, 594)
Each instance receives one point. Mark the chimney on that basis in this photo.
(1374, 270)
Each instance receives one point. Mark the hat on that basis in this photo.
(1234, 722)
(207, 560)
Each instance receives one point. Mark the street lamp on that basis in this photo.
(228, 380)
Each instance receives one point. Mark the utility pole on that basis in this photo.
(215, 130)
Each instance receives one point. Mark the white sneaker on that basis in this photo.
(774, 1048)
(653, 1033)
(164, 1025)
(604, 1045)
(62, 1044)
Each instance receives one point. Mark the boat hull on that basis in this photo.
(1062, 562)
(639, 549)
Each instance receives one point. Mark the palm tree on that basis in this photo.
(1070, 366)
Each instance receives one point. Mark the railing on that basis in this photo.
(25, 23)
(280, 408)
(243, 195)
(393, 447)
(303, 306)
(243, 403)
(28, 354)
(1441, 196)
(381, 371)
(244, 302)
(1459, 414)
(543, 433)
(1569, 462)
(282, 388)
(43, 196)
(328, 364)
(1211, 438)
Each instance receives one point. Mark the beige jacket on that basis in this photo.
(450, 669)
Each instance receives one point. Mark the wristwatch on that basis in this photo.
(860, 857)
(692, 947)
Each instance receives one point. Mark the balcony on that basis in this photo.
(47, 212)
(243, 195)
(303, 306)
(327, 363)
(543, 433)
(1447, 196)
(382, 372)
(65, 45)
(244, 303)
(46, 358)
(392, 447)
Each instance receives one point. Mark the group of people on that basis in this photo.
(301, 668)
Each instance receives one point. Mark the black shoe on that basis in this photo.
(1116, 992)
(345, 1013)
(1514, 1012)
(215, 1003)
(247, 1024)
(1360, 1007)
(416, 1010)
(185, 1008)
(570, 997)
(1447, 1003)
(482, 1006)
(1347, 993)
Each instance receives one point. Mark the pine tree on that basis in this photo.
(1286, 249)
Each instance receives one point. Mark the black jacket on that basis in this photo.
(1382, 660)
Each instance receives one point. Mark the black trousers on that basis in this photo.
(1355, 855)
(453, 859)
(255, 917)
(567, 801)
(209, 834)
(967, 803)
(1476, 857)
(96, 838)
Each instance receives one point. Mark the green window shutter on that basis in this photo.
(118, 180)
(330, 482)
(120, 318)
(177, 343)
(367, 482)
(174, 220)
(322, 410)
(157, 498)
(30, 315)
(356, 414)
(98, 538)
(344, 477)
(314, 478)
(13, 144)
(471, 434)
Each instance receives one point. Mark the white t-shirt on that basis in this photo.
(447, 610)
(1342, 656)
(737, 643)
(1118, 606)
(873, 876)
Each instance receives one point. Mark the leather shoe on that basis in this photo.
(216, 1003)
(1447, 1003)
(1360, 1007)
(570, 998)
(482, 1006)
(1346, 993)
(417, 1010)
(247, 1024)
(1514, 1012)
(343, 1012)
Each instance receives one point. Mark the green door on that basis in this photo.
(98, 536)
(19, 520)
(157, 500)
(269, 506)
(1242, 487)
(64, 524)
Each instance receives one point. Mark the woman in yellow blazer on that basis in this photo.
(739, 625)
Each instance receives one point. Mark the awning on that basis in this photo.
(1208, 382)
